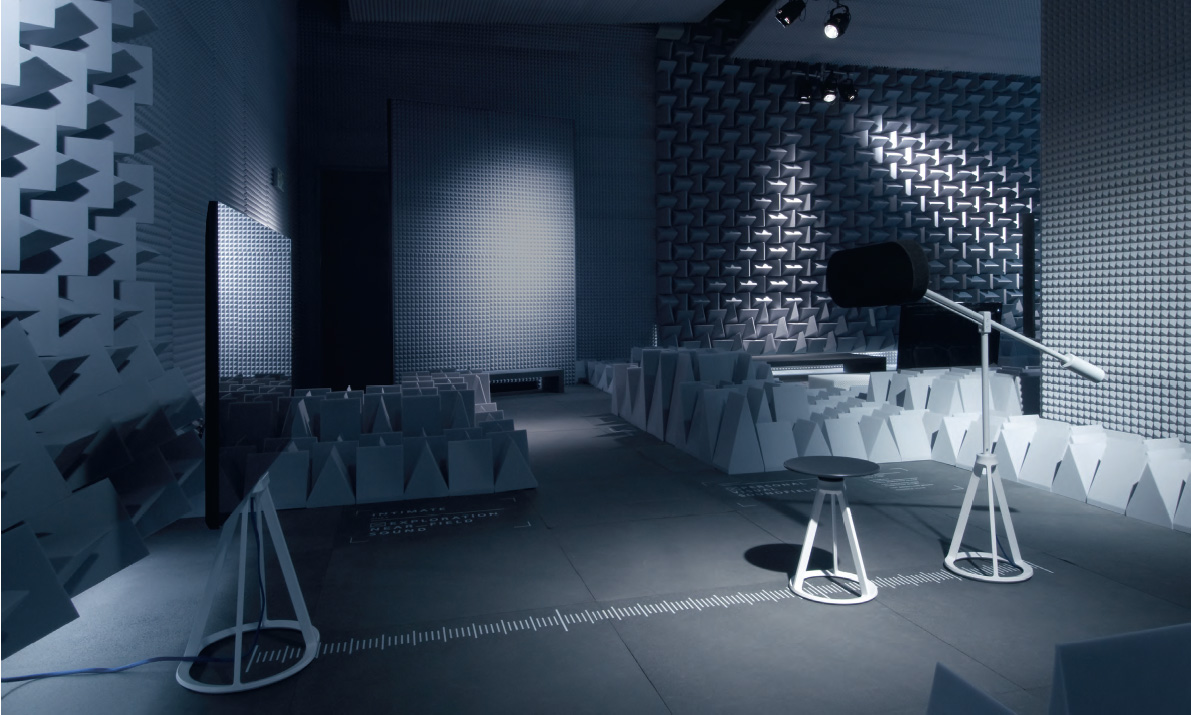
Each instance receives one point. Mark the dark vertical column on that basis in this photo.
(356, 277)
(1028, 279)
(1031, 378)
(211, 367)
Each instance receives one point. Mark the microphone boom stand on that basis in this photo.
(986, 462)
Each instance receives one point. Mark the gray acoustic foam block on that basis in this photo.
(496, 425)
(949, 693)
(289, 476)
(34, 600)
(278, 444)
(248, 423)
(1154, 664)
(32, 481)
(380, 474)
(88, 536)
(331, 483)
(382, 439)
(470, 466)
(117, 330)
(423, 477)
(27, 385)
(465, 433)
(320, 452)
(458, 408)
(150, 492)
(421, 415)
(340, 420)
(512, 458)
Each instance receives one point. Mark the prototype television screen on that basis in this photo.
(932, 336)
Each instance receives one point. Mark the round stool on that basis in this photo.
(831, 472)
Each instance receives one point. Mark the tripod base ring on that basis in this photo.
(1027, 571)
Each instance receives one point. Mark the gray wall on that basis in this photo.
(1116, 197)
(483, 233)
(599, 78)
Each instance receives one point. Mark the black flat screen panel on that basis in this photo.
(931, 336)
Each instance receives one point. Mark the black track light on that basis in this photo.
(837, 21)
(791, 11)
(847, 90)
(830, 92)
(809, 90)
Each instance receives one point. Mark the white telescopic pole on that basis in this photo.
(1071, 362)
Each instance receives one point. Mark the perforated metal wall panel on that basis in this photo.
(483, 240)
(1115, 239)
(598, 78)
(756, 190)
(255, 303)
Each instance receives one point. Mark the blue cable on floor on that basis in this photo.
(260, 580)
(260, 575)
(120, 669)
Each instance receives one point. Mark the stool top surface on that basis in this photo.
(832, 467)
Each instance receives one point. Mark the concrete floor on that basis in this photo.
(634, 579)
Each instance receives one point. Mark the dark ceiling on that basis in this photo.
(996, 36)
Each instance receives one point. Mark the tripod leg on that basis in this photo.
(962, 523)
(1007, 519)
(808, 544)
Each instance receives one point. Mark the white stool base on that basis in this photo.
(986, 469)
(799, 588)
(186, 680)
(1026, 571)
(839, 506)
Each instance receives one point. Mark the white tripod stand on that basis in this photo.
(986, 462)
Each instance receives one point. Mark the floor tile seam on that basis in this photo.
(570, 562)
(641, 667)
(1121, 583)
(1106, 577)
(1016, 685)
(779, 539)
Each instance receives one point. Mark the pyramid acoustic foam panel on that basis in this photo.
(1116, 213)
(255, 297)
(757, 187)
(121, 120)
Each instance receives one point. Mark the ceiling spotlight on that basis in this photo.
(837, 21)
(847, 90)
(809, 90)
(830, 92)
(788, 13)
